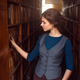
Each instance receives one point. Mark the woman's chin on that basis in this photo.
(45, 30)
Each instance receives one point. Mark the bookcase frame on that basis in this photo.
(21, 20)
(71, 12)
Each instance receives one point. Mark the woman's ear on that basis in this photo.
(52, 25)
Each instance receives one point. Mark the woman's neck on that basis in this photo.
(55, 33)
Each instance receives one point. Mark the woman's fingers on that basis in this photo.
(11, 38)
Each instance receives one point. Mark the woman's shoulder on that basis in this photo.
(68, 41)
(42, 35)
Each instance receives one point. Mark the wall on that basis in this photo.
(56, 6)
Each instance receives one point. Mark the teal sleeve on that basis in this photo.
(69, 55)
(35, 52)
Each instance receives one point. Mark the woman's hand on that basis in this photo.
(12, 40)
(22, 52)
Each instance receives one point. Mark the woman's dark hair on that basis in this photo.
(54, 17)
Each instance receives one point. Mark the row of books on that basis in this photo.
(30, 13)
(24, 31)
(77, 31)
(37, 3)
(77, 48)
(14, 59)
(71, 39)
(31, 41)
(74, 28)
(70, 26)
(25, 45)
(37, 23)
(24, 14)
(40, 5)
(14, 32)
(30, 27)
(37, 13)
(67, 3)
(38, 33)
(25, 65)
(16, 75)
(25, 2)
(73, 13)
(32, 3)
(76, 62)
(13, 14)
(14, 0)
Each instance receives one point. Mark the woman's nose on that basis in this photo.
(41, 24)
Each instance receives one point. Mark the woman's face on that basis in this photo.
(46, 25)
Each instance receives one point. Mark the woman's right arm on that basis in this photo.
(22, 52)
(26, 55)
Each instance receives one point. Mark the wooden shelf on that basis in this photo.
(37, 18)
(77, 56)
(73, 35)
(69, 31)
(19, 19)
(26, 69)
(72, 16)
(25, 38)
(30, 34)
(25, 22)
(13, 71)
(11, 49)
(72, 20)
(14, 2)
(72, 5)
(12, 25)
(40, 1)
(24, 5)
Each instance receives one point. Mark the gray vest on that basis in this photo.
(50, 60)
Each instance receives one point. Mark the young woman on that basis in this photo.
(51, 47)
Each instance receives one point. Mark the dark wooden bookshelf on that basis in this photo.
(20, 19)
(71, 13)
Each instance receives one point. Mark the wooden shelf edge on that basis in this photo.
(25, 22)
(14, 2)
(11, 25)
(37, 18)
(32, 7)
(13, 71)
(30, 34)
(72, 5)
(24, 5)
(72, 20)
(69, 31)
(76, 55)
(34, 31)
(26, 70)
(11, 49)
(32, 46)
(38, 8)
(72, 35)
(40, 1)
(25, 38)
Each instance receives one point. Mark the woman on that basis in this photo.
(51, 47)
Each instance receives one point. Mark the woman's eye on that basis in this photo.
(44, 23)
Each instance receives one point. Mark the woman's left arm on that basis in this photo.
(69, 60)
(67, 74)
